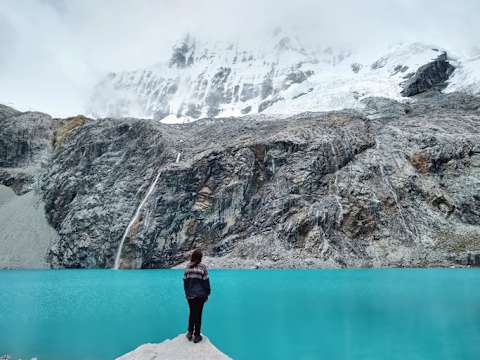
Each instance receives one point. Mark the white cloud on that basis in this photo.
(52, 52)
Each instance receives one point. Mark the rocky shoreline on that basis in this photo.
(229, 263)
(393, 184)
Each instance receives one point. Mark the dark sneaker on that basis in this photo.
(197, 338)
(189, 336)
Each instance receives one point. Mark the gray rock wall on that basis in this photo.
(395, 185)
(24, 145)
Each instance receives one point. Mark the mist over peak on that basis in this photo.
(55, 51)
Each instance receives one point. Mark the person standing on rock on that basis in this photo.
(197, 289)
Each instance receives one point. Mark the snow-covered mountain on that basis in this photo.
(281, 77)
(467, 76)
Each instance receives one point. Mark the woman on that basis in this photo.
(197, 290)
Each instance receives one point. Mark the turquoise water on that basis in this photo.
(258, 314)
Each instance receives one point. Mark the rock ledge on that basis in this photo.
(178, 348)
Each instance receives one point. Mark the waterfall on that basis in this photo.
(178, 157)
(392, 191)
(337, 196)
(319, 227)
(273, 166)
(325, 246)
(134, 219)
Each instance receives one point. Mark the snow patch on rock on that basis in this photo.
(174, 119)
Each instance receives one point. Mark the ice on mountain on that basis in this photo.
(279, 77)
(466, 77)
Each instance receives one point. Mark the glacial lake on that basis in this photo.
(252, 314)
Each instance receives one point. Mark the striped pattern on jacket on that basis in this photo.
(195, 281)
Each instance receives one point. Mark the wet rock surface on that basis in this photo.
(397, 184)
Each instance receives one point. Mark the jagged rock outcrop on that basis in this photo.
(428, 76)
(215, 191)
(24, 144)
(115, 162)
(7, 111)
(396, 185)
(24, 151)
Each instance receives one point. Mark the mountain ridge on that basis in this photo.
(283, 77)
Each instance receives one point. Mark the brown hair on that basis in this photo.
(196, 257)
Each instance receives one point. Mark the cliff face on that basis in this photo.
(239, 184)
(396, 184)
(24, 142)
(24, 152)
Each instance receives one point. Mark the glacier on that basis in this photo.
(281, 77)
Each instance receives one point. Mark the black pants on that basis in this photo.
(195, 318)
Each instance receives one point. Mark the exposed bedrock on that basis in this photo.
(428, 76)
(24, 141)
(318, 189)
(395, 185)
(26, 235)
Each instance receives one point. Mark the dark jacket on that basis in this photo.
(195, 281)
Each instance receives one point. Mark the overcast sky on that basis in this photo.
(53, 51)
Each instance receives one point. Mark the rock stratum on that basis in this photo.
(392, 184)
